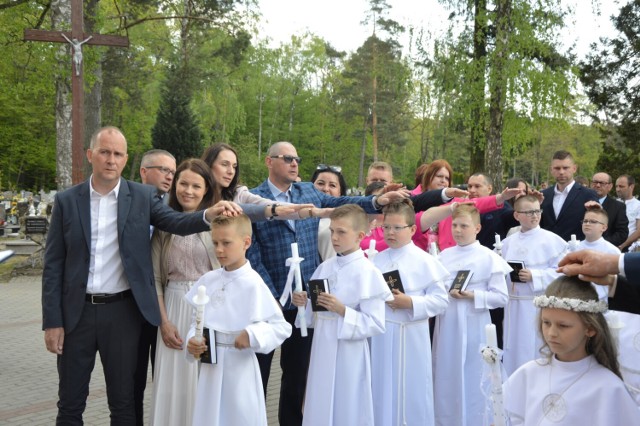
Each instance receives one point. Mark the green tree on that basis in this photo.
(610, 75)
(176, 128)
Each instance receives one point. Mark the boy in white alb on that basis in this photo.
(594, 224)
(244, 318)
(460, 330)
(401, 357)
(540, 250)
(339, 379)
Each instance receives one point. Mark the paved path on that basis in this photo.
(28, 378)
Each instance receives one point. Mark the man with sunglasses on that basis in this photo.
(270, 248)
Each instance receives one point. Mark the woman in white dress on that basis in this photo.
(177, 263)
(579, 381)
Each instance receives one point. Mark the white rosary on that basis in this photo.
(554, 406)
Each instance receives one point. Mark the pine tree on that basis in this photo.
(176, 128)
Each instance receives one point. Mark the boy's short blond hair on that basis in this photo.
(242, 224)
(467, 210)
(598, 211)
(403, 208)
(526, 198)
(353, 212)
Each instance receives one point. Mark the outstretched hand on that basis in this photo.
(454, 192)
(227, 208)
(590, 265)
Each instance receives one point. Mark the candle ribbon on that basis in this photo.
(292, 263)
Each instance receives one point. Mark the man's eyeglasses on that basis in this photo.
(599, 183)
(288, 158)
(590, 222)
(164, 170)
(335, 169)
(396, 228)
(531, 213)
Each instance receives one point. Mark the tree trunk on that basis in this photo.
(260, 104)
(60, 18)
(477, 86)
(363, 150)
(374, 114)
(497, 89)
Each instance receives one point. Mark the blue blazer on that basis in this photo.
(572, 212)
(67, 253)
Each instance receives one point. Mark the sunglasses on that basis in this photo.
(288, 158)
(335, 169)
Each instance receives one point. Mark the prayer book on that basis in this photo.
(461, 281)
(517, 266)
(209, 356)
(393, 280)
(315, 288)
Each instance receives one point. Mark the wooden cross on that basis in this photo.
(76, 37)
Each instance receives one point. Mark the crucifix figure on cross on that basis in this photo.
(77, 51)
(76, 38)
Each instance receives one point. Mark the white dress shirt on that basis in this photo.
(106, 273)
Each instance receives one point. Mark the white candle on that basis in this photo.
(497, 239)
(298, 280)
(492, 338)
(573, 239)
(433, 248)
(200, 300)
(372, 245)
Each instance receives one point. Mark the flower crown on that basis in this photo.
(576, 305)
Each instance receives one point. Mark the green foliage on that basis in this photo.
(197, 81)
(610, 74)
(176, 129)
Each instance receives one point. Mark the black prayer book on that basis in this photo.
(461, 281)
(517, 266)
(209, 356)
(393, 280)
(315, 288)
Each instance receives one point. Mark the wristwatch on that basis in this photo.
(274, 213)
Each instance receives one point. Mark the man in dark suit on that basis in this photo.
(618, 228)
(157, 168)
(563, 204)
(620, 272)
(97, 282)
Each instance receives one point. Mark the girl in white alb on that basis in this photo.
(578, 383)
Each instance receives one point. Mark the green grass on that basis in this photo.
(6, 268)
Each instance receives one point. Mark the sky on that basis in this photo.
(339, 21)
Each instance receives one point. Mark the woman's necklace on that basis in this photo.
(554, 406)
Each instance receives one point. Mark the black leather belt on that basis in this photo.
(102, 298)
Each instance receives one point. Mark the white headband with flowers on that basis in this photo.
(568, 304)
